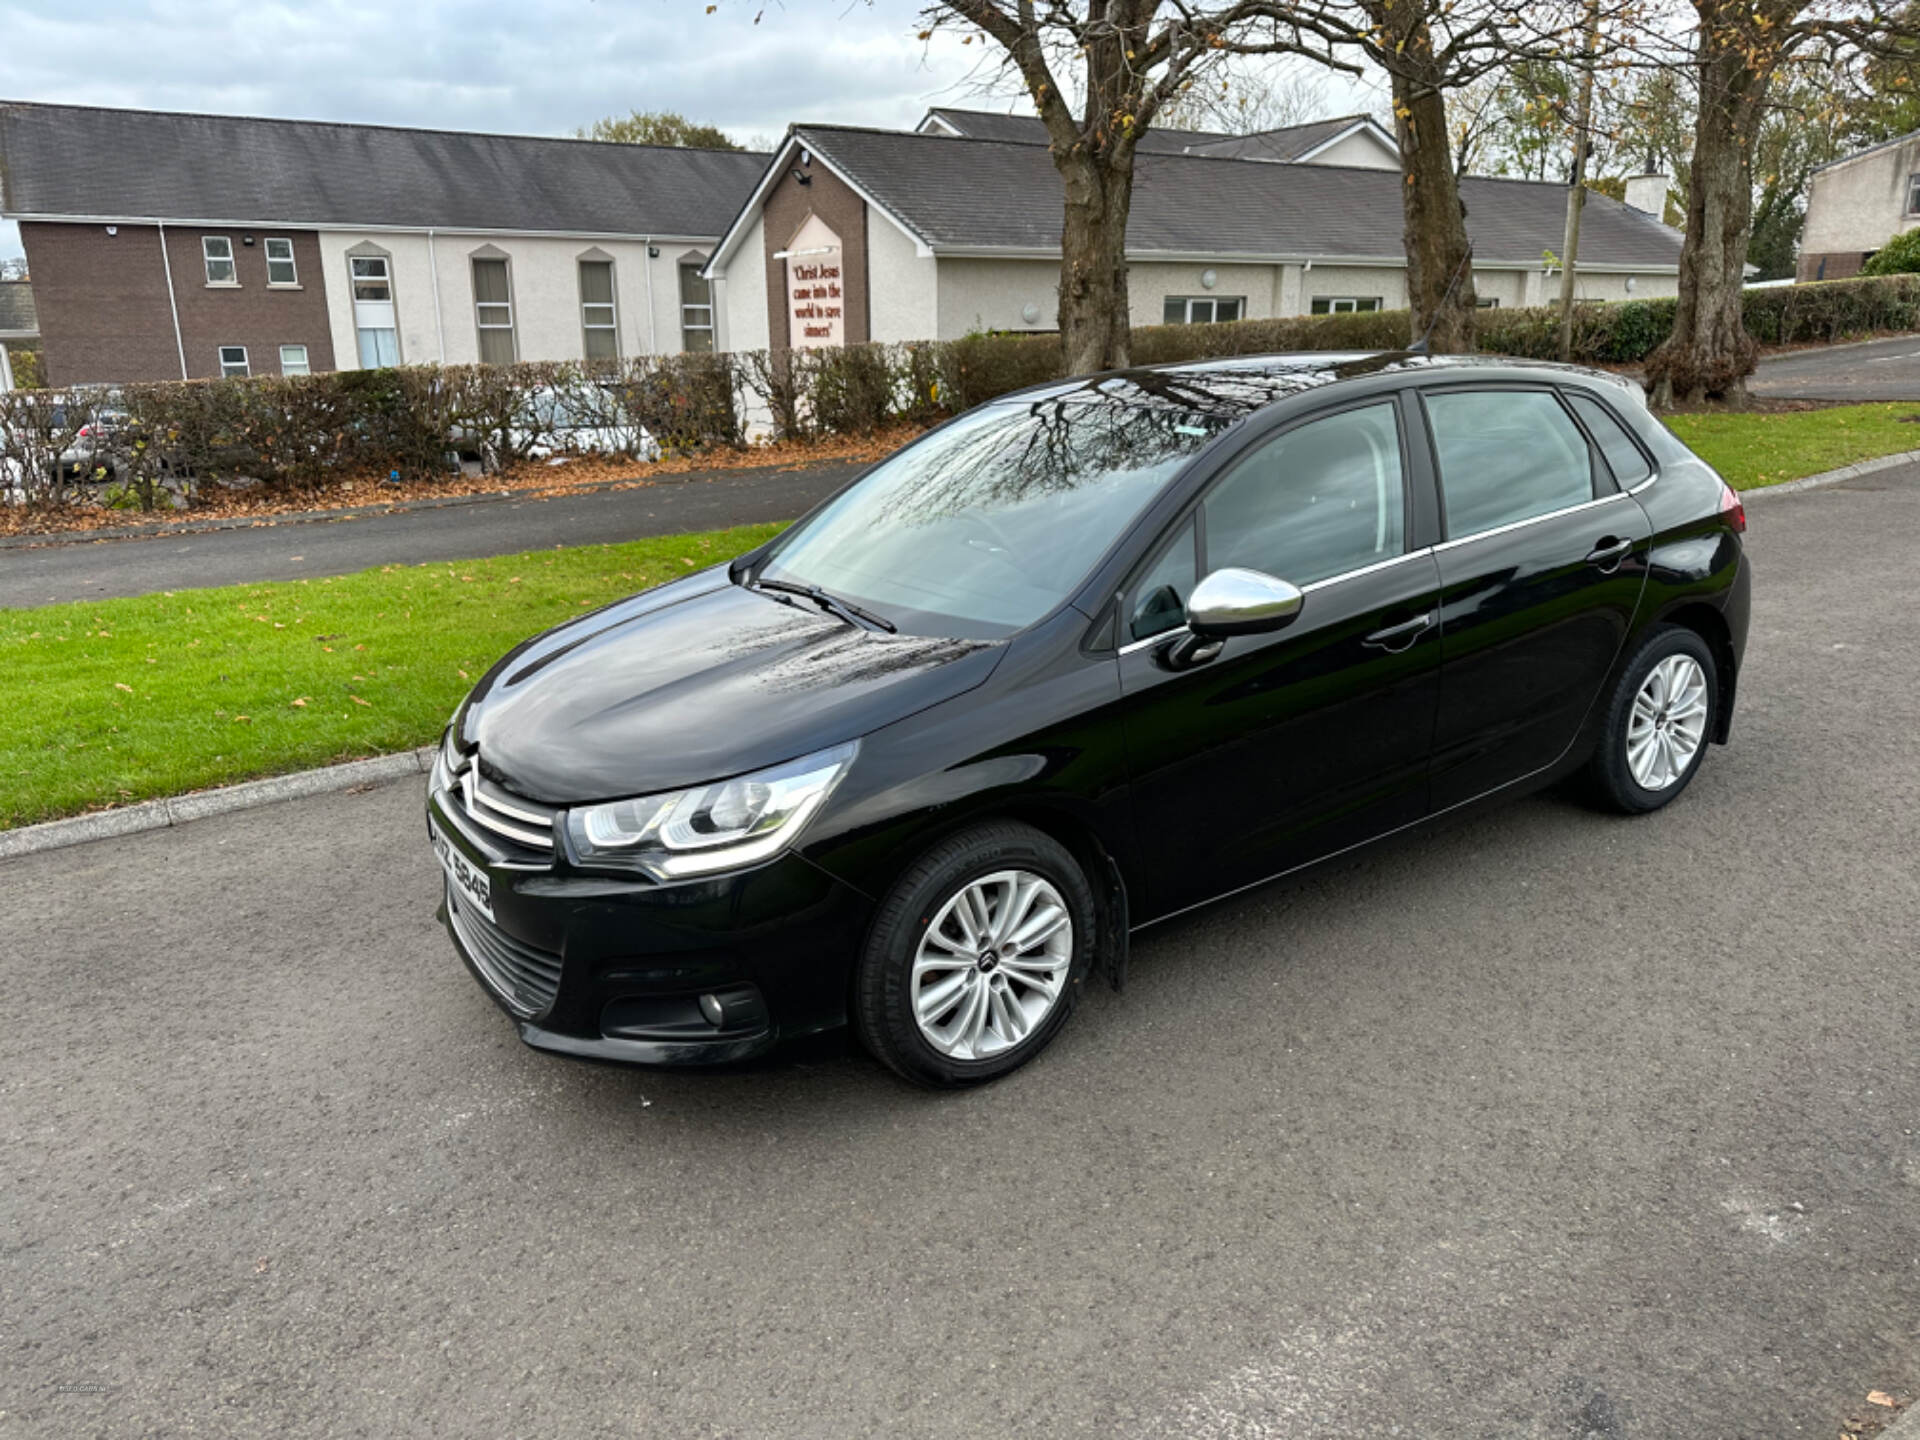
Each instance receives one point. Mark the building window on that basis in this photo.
(696, 309)
(1343, 304)
(1201, 309)
(1913, 194)
(233, 362)
(493, 311)
(597, 320)
(280, 269)
(373, 319)
(217, 251)
(1486, 302)
(293, 360)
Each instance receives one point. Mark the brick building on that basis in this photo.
(167, 246)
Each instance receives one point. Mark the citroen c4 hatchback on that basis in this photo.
(1078, 660)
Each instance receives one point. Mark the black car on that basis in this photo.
(1080, 659)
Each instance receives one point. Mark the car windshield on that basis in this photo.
(993, 520)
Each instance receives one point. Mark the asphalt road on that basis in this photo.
(1545, 1124)
(94, 570)
(1873, 370)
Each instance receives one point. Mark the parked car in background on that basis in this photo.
(1080, 660)
(551, 422)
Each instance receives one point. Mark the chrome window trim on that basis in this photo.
(1512, 525)
(1345, 575)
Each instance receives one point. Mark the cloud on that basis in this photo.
(541, 68)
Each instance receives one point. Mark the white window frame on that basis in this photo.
(305, 368)
(292, 282)
(1187, 302)
(209, 257)
(589, 320)
(354, 277)
(689, 310)
(1347, 304)
(1486, 302)
(1913, 194)
(245, 370)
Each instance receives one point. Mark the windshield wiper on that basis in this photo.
(840, 609)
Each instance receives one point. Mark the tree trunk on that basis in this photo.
(1709, 354)
(1094, 329)
(1439, 268)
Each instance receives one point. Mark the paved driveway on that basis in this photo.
(1543, 1125)
(97, 570)
(1875, 370)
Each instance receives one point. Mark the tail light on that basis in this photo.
(1731, 510)
(85, 432)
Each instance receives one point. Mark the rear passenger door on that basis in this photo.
(1542, 562)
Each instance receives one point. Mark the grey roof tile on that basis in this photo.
(1031, 130)
(995, 195)
(1289, 142)
(140, 164)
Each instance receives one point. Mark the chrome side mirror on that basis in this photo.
(1241, 602)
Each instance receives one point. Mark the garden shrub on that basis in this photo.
(164, 439)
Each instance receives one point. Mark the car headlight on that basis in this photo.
(710, 827)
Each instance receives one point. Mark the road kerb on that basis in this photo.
(201, 804)
(1834, 477)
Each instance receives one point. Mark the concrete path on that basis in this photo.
(1543, 1125)
(87, 570)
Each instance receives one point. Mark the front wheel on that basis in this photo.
(976, 957)
(1658, 720)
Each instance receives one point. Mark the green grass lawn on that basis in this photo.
(111, 701)
(1756, 450)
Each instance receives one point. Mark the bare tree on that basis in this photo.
(1249, 98)
(1126, 61)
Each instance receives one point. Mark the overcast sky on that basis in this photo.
(537, 67)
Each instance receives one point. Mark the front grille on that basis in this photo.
(525, 825)
(526, 978)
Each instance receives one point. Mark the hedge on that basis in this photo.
(164, 440)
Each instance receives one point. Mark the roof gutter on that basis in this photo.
(348, 227)
(1219, 257)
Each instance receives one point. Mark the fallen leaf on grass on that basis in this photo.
(301, 703)
(118, 686)
(358, 701)
(247, 718)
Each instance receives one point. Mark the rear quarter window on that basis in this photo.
(1623, 457)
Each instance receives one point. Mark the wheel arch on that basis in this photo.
(1710, 625)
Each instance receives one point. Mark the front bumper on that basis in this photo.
(632, 956)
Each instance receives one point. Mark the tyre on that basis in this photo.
(1658, 721)
(976, 957)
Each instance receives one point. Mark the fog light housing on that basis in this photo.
(715, 1012)
(736, 1008)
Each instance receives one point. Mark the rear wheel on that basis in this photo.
(975, 960)
(1657, 723)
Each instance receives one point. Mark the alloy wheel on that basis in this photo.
(992, 965)
(1668, 723)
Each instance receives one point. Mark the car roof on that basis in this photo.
(1233, 388)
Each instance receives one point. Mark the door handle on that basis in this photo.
(1608, 554)
(1396, 638)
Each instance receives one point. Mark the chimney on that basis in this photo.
(1648, 193)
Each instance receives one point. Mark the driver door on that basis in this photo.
(1289, 746)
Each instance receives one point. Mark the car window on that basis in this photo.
(1317, 501)
(1506, 455)
(1160, 599)
(992, 520)
(1623, 457)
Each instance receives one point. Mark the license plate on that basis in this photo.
(468, 878)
